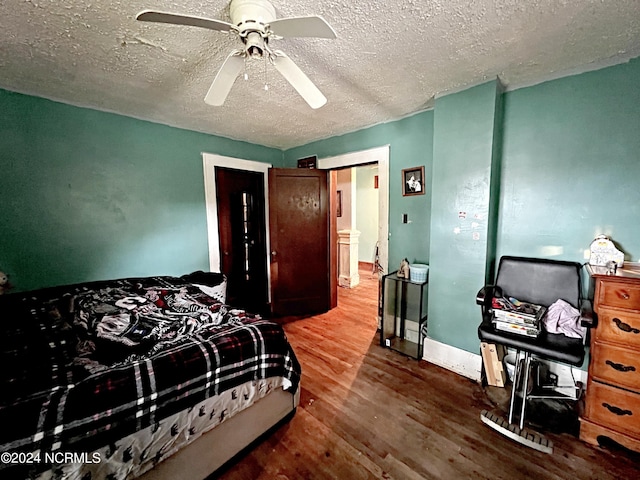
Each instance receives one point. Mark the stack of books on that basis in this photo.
(511, 315)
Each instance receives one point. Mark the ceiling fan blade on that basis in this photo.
(298, 80)
(225, 79)
(311, 26)
(176, 19)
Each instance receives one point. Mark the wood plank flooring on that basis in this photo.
(368, 413)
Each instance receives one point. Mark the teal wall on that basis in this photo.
(571, 165)
(411, 145)
(89, 195)
(463, 134)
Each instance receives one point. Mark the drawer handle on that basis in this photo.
(625, 327)
(620, 367)
(624, 295)
(617, 410)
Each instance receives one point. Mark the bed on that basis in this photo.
(149, 378)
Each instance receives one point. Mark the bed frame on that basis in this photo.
(214, 449)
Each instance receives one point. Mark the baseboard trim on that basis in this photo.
(469, 364)
(365, 266)
(452, 358)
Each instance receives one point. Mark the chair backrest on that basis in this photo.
(539, 281)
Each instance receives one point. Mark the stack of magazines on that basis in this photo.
(511, 315)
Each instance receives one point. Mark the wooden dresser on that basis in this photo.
(612, 406)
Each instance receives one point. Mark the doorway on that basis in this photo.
(379, 155)
(242, 229)
(210, 163)
(358, 220)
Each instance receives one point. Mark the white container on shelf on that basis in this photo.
(418, 272)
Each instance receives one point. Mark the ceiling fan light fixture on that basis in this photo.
(254, 21)
(254, 52)
(255, 44)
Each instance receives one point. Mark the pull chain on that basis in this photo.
(266, 84)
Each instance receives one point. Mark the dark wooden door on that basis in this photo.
(242, 232)
(303, 271)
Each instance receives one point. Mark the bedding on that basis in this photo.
(85, 366)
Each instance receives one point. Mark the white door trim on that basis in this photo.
(209, 162)
(380, 155)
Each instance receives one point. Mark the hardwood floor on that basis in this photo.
(367, 412)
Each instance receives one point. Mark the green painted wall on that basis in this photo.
(463, 153)
(411, 141)
(571, 165)
(89, 195)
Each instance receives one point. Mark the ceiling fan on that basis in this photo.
(254, 21)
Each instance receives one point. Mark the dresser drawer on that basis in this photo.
(618, 294)
(613, 407)
(616, 365)
(618, 327)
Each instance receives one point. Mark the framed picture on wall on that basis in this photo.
(308, 162)
(413, 181)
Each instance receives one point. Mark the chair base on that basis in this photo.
(529, 439)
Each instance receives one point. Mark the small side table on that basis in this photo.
(404, 315)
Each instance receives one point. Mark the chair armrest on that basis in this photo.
(480, 296)
(588, 318)
(486, 294)
(485, 297)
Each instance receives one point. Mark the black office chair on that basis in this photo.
(539, 282)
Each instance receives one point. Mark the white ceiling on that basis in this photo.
(391, 58)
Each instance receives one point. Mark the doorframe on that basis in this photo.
(209, 163)
(363, 157)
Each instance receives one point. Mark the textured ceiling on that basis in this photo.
(391, 58)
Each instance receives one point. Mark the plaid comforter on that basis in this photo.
(84, 365)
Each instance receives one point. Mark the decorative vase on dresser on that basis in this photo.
(612, 403)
